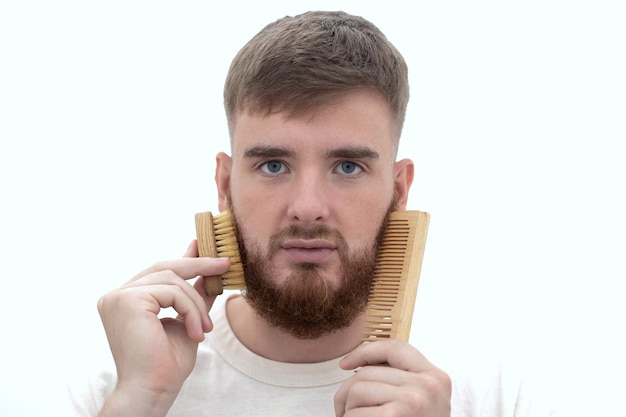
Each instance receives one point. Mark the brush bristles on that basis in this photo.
(227, 247)
(217, 238)
(396, 276)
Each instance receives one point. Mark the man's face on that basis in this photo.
(310, 195)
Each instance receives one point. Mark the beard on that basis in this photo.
(305, 304)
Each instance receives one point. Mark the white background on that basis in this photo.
(111, 115)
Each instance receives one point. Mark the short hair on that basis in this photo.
(299, 63)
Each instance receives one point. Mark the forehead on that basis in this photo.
(356, 119)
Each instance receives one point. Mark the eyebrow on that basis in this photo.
(262, 151)
(348, 152)
(353, 152)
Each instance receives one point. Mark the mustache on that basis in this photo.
(307, 233)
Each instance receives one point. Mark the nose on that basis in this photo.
(309, 200)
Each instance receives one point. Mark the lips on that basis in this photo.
(308, 251)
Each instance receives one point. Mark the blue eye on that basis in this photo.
(349, 168)
(273, 167)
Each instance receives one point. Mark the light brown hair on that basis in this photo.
(299, 63)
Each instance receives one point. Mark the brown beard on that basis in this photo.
(306, 305)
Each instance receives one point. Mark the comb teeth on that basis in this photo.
(394, 287)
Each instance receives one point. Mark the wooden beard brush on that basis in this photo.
(394, 287)
(217, 238)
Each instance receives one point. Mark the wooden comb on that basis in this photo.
(392, 296)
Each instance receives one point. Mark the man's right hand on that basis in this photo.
(153, 355)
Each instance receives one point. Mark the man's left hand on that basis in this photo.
(392, 378)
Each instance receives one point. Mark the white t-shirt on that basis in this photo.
(230, 380)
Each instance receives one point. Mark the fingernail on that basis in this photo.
(218, 259)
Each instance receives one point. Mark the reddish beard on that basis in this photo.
(306, 304)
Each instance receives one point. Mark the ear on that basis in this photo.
(404, 171)
(223, 164)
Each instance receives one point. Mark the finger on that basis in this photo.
(356, 394)
(164, 296)
(397, 354)
(169, 278)
(386, 409)
(188, 268)
(366, 412)
(369, 394)
(208, 302)
(371, 397)
(384, 374)
(192, 250)
(368, 378)
(199, 287)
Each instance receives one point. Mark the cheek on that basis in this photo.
(362, 228)
(258, 207)
(253, 220)
(368, 217)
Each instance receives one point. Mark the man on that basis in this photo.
(315, 107)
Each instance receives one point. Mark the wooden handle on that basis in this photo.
(205, 233)
(419, 230)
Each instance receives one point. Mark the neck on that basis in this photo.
(265, 340)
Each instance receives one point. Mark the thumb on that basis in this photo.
(192, 250)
